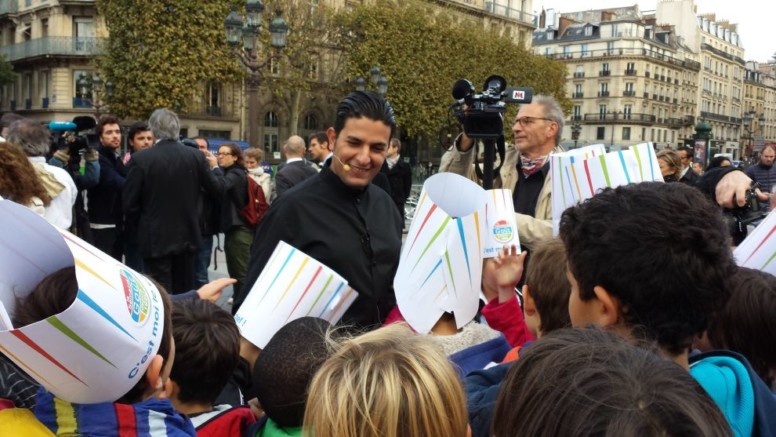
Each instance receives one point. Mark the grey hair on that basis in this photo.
(31, 136)
(165, 124)
(295, 145)
(552, 110)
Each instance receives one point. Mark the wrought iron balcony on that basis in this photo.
(53, 46)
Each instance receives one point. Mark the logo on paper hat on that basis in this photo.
(100, 346)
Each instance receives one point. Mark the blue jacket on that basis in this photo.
(747, 402)
(482, 387)
(480, 355)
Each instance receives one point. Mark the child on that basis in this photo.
(388, 383)
(587, 382)
(207, 352)
(283, 372)
(86, 328)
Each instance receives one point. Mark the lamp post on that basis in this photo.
(247, 31)
(379, 81)
(97, 91)
(748, 120)
(576, 129)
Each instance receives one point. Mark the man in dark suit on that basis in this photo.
(399, 175)
(162, 196)
(296, 168)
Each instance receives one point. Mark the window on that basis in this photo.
(599, 132)
(602, 112)
(271, 143)
(83, 29)
(271, 132)
(627, 110)
(577, 115)
(629, 87)
(610, 47)
(585, 50)
(312, 70)
(274, 67)
(311, 122)
(588, 30)
(626, 133)
(213, 95)
(566, 51)
(207, 133)
(270, 119)
(605, 66)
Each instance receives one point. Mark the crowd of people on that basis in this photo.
(634, 320)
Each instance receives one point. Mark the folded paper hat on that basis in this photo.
(440, 268)
(292, 285)
(100, 346)
(758, 250)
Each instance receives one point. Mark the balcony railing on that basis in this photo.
(80, 102)
(53, 46)
(579, 75)
(604, 72)
(508, 12)
(9, 7)
(630, 72)
(209, 111)
(578, 95)
(720, 117)
(611, 117)
(627, 93)
(603, 93)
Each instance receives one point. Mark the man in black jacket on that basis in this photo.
(399, 175)
(162, 197)
(339, 217)
(106, 219)
(296, 168)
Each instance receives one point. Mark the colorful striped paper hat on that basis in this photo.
(98, 348)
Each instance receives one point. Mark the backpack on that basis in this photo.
(257, 205)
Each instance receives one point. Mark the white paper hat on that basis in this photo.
(579, 174)
(440, 268)
(97, 349)
(758, 250)
(292, 285)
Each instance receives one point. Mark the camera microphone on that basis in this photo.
(345, 167)
(462, 88)
(61, 126)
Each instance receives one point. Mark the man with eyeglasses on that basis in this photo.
(526, 170)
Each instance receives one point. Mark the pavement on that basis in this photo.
(217, 271)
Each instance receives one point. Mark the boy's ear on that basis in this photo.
(529, 306)
(153, 376)
(609, 308)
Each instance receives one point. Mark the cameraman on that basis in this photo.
(69, 157)
(526, 169)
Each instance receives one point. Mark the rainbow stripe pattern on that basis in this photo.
(93, 351)
(758, 250)
(440, 268)
(292, 285)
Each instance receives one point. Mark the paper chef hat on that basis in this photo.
(292, 285)
(440, 268)
(98, 348)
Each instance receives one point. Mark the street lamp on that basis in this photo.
(379, 81)
(94, 92)
(248, 30)
(576, 129)
(748, 118)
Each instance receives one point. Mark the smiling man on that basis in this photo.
(526, 170)
(339, 217)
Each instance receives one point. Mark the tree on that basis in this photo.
(7, 76)
(423, 57)
(158, 50)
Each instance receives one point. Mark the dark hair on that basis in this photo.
(746, 323)
(364, 104)
(322, 137)
(235, 150)
(717, 161)
(548, 285)
(31, 136)
(286, 366)
(200, 137)
(8, 118)
(57, 291)
(104, 121)
(663, 250)
(207, 349)
(588, 382)
(135, 128)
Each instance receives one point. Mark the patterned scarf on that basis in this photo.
(531, 166)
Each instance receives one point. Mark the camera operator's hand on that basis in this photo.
(91, 154)
(62, 155)
(762, 197)
(464, 142)
(732, 186)
(211, 159)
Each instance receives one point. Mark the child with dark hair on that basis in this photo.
(587, 382)
(207, 346)
(746, 324)
(283, 373)
(633, 271)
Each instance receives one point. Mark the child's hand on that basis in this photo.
(504, 272)
(213, 289)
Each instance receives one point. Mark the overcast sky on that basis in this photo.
(754, 18)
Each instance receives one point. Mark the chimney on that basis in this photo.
(543, 19)
(563, 23)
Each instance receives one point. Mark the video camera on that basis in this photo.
(482, 115)
(65, 135)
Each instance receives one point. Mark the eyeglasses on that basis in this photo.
(223, 154)
(525, 121)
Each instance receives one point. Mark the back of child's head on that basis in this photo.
(589, 382)
(286, 366)
(661, 250)
(207, 350)
(57, 292)
(746, 323)
(548, 285)
(388, 383)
